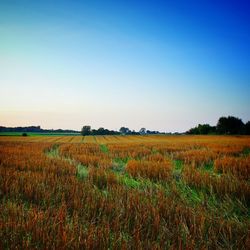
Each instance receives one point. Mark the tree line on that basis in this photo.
(87, 130)
(35, 129)
(226, 125)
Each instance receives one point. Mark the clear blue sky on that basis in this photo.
(163, 65)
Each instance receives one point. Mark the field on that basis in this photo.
(125, 192)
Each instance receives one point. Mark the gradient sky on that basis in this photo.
(163, 65)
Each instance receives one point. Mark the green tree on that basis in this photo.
(247, 128)
(86, 130)
(124, 130)
(202, 129)
(230, 125)
(142, 131)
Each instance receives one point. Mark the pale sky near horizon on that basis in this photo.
(156, 64)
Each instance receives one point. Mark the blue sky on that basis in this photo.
(163, 65)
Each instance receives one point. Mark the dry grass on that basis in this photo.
(134, 195)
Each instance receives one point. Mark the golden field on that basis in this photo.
(125, 192)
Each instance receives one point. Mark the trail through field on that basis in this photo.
(188, 193)
(139, 183)
(53, 152)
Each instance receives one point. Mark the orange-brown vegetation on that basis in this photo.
(86, 154)
(196, 157)
(237, 166)
(156, 171)
(148, 192)
(221, 185)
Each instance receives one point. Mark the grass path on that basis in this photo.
(53, 152)
(190, 195)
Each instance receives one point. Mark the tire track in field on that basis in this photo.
(53, 152)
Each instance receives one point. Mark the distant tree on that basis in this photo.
(24, 134)
(94, 132)
(124, 130)
(134, 132)
(247, 128)
(142, 131)
(193, 131)
(206, 129)
(102, 131)
(152, 132)
(202, 129)
(230, 125)
(86, 130)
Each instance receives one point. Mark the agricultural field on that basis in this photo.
(125, 192)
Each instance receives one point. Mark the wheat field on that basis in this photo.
(125, 192)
